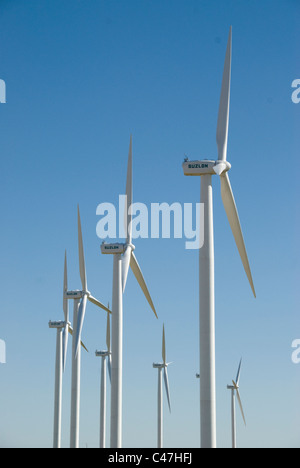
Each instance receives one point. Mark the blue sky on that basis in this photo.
(81, 76)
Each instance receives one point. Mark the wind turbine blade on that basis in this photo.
(129, 199)
(109, 366)
(238, 374)
(239, 402)
(81, 256)
(234, 221)
(108, 332)
(125, 266)
(65, 345)
(164, 346)
(80, 320)
(140, 279)
(167, 387)
(98, 303)
(223, 117)
(65, 300)
(82, 345)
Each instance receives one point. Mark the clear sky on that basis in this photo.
(81, 76)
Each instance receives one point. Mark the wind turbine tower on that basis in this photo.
(162, 369)
(235, 393)
(124, 258)
(80, 301)
(105, 355)
(63, 328)
(206, 169)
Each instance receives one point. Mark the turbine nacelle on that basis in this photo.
(76, 294)
(102, 353)
(205, 167)
(58, 324)
(128, 260)
(115, 248)
(231, 387)
(157, 365)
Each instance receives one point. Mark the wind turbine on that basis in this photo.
(80, 301)
(63, 328)
(162, 367)
(123, 258)
(206, 169)
(104, 355)
(235, 390)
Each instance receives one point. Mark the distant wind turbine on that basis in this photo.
(206, 169)
(235, 391)
(63, 329)
(104, 355)
(80, 301)
(162, 367)
(123, 258)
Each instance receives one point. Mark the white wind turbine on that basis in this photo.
(235, 391)
(80, 301)
(162, 367)
(63, 329)
(206, 169)
(123, 258)
(104, 355)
